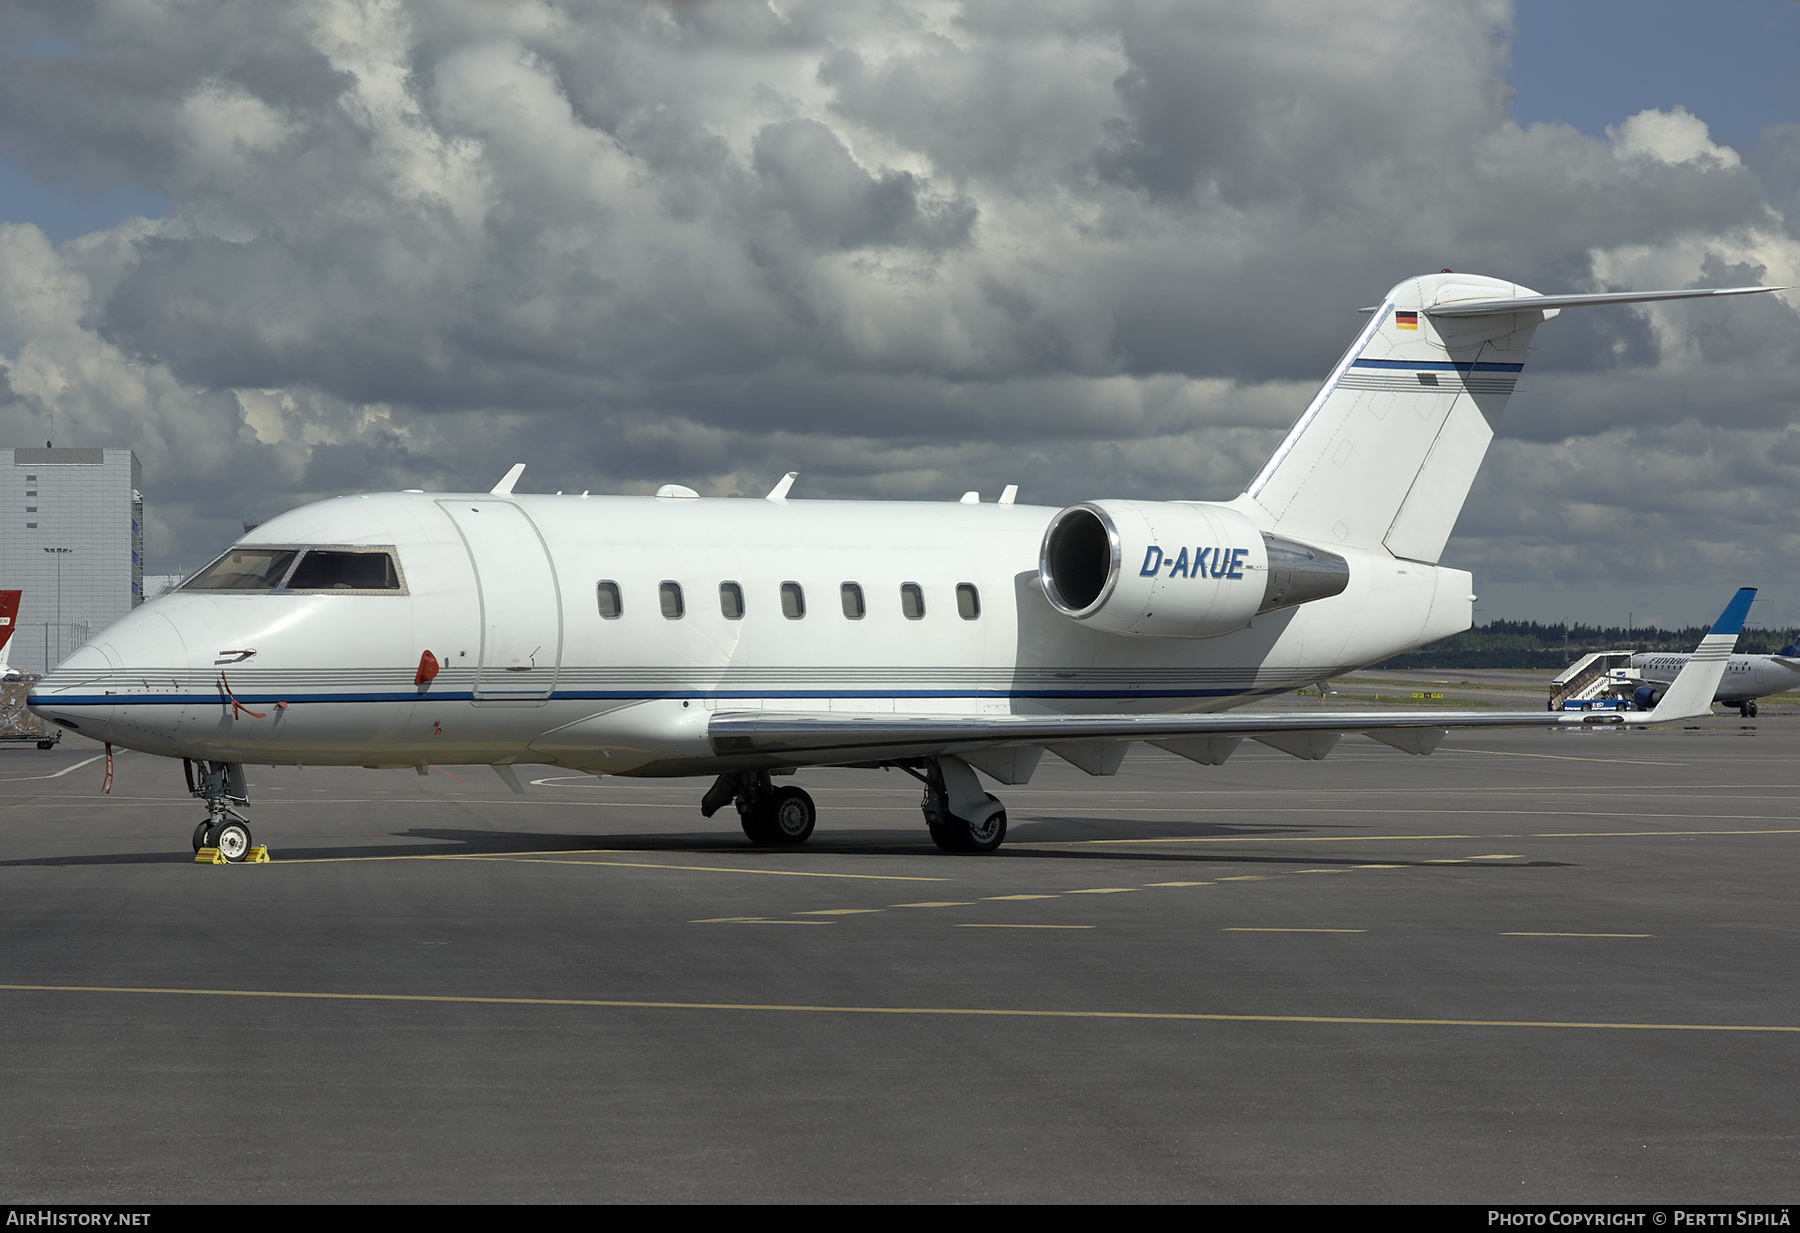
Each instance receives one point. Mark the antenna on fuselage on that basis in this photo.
(505, 486)
(780, 491)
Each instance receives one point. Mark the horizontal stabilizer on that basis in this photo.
(1489, 308)
(1690, 695)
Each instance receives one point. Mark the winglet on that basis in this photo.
(780, 491)
(505, 486)
(1690, 696)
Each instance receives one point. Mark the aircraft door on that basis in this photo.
(521, 602)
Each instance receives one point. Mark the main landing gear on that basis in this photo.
(770, 816)
(223, 787)
(960, 815)
(1747, 709)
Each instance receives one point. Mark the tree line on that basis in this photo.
(1528, 644)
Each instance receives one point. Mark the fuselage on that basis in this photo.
(602, 632)
(1746, 677)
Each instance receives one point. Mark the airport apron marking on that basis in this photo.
(932, 1011)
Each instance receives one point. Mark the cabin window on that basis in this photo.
(853, 601)
(793, 601)
(669, 596)
(244, 569)
(731, 601)
(607, 593)
(912, 601)
(345, 569)
(968, 601)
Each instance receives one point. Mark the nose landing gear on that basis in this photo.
(223, 787)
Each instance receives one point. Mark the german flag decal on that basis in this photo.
(1406, 321)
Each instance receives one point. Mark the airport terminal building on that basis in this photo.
(74, 544)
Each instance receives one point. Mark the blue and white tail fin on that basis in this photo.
(1384, 455)
(1690, 695)
(1790, 651)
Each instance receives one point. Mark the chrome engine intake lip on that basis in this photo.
(1078, 540)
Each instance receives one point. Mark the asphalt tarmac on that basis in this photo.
(1532, 967)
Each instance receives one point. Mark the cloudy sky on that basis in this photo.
(289, 249)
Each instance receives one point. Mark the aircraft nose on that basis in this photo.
(146, 642)
(124, 662)
(76, 693)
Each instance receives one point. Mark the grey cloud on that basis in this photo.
(1089, 247)
(831, 201)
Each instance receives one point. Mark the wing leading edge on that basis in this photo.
(836, 737)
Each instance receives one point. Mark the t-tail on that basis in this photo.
(1690, 695)
(1384, 455)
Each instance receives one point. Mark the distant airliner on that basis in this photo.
(740, 639)
(1746, 678)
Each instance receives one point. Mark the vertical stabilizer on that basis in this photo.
(1690, 695)
(1385, 453)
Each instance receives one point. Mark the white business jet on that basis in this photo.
(1746, 678)
(738, 639)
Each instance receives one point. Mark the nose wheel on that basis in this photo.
(222, 786)
(231, 839)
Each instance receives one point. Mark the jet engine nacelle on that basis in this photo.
(1176, 569)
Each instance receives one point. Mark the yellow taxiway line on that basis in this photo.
(948, 1011)
(545, 858)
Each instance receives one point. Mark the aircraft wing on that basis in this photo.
(837, 737)
(841, 737)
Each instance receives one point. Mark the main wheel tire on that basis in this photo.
(943, 835)
(1753, 710)
(791, 816)
(953, 834)
(988, 835)
(232, 839)
(200, 833)
(756, 824)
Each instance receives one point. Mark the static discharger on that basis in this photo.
(212, 856)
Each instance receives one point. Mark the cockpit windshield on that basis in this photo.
(335, 569)
(244, 569)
